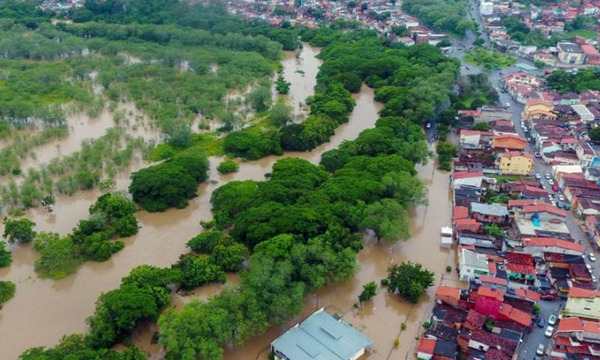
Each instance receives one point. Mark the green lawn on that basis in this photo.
(588, 34)
(488, 59)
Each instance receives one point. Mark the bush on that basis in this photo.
(312, 132)
(5, 256)
(409, 280)
(207, 241)
(58, 256)
(194, 271)
(448, 268)
(403, 326)
(384, 282)
(7, 291)
(169, 184)
(253, 144)
(18, 231)
(536, 309)
(228, 166)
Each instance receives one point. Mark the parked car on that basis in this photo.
(555, 188)
(559, 205)
(552, 320)
(537, 155)
(553, 202)
(549, 331)
(540, 349)
(541, 322)
(589, 267)
(550, 181)
(548, 176)
(428, 125)
(538, 176)
(591, 256)
(560, 196)
(594, 280)
(548, 297)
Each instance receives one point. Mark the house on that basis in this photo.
(537, 109)
(541, 220)
(584, 152)
(471, 264)
(490, 113)
(515, 163)
(584, 114)
(466, 238)
(592, 56)
(489, 213)
(503, 127)
(473, 139)
(520, 266)
(320, 336)
(537, 246)
(448, 294)
(509, 142)
(467, 225)
(464, 195)
(570, 53)
(468, 178)
(583, 303)
(579, 330)
(425, 348)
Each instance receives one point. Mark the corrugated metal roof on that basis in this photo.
(321, 337)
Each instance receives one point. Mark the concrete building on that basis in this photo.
(570, 53)
(320, 336)
(584, 114)
(583, 303)
(515, 163)
(486, 8)
(489, 213)
(472, 264)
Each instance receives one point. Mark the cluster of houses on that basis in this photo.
(549, 19)
(514, 250)
(379, 15)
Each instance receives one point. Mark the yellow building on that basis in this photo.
(537, 109)
(583, 303)
(515, 163)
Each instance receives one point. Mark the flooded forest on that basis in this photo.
(178, 183)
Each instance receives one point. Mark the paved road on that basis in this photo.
(532, 340)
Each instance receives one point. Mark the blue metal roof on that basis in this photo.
(321, 337)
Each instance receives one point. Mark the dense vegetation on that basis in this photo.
(585, 79)
(168, 184)
(111, 216)
(228, 166)
(448, 16)
(18, 230)
(518, 31)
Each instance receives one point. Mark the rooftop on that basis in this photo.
(569, 47)
(549, 241)
(494, 209)
(321, 336)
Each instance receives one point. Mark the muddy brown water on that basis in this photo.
(298, 69)
(42, 311)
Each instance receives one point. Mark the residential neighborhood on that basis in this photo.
(556, 34)
(525, 226)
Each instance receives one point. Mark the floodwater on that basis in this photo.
(82, 127)
(298, 69)
(45, 310)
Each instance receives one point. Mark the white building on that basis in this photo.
(486, 8)
(472, 264)
(320, 336)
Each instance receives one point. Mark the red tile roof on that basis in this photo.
(460, 212)
(519, 258)
(493, 280)
(486, 291)
(467, 174)
(543, 207)
(515, 314)
(528, 294)
(569, 325)
(548, 241)
(520, 268)
(426, 346)
(521, 203)
(575, 292)
(447, 291)
(475, 319)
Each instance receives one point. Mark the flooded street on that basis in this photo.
(42, 311)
